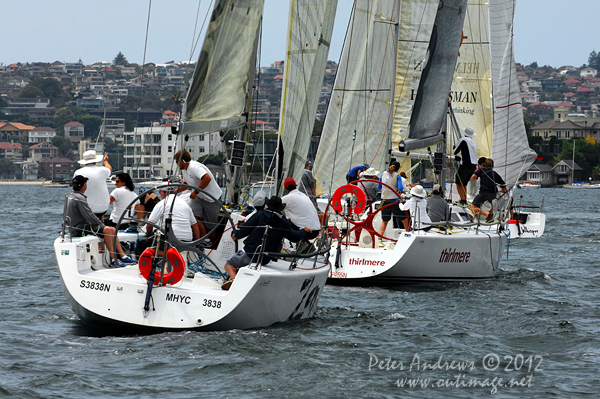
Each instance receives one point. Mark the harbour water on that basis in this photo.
(531, 332)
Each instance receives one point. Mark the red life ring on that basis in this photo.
(172, 277)
(361, 198)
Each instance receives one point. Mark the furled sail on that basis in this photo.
(355, 129)
(431, 101)
(472, 86)
(217, 98)
(309, 36)
(416, 24)
(511, 152)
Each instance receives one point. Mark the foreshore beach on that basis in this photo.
(20, 182)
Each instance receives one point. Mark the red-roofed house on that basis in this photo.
(585, 91)
(74, 131)
(42, 151)
(572, 82)
(12, 151)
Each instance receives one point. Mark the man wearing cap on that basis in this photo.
(417, 206)
(437, 207)
(97, 190)
(198, 175)
(82, 220)
(300, 209)
(354, 173)
(308, 184)
(254, 230)
(184, 224)
(468, 162)
(369, 187)
(488, 189)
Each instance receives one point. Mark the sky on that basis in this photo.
(549, 32)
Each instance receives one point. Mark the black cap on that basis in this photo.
(80, 180)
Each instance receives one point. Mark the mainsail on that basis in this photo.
(511, 152)
(309, 36)
(472, 86)
(429, 111)
(218, 96)
(360, 109)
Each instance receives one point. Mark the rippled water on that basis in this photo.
(536, 323)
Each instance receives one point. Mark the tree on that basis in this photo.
(50, 87)
(594, 60)
(533, 65)
(63, 144)
(62, 117)
(92, 124)
(7, 168)
(120, 60)
(30, 91)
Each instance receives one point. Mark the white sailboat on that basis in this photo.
(394, 76)
(486, 96)
(190, 296)
(578, 185)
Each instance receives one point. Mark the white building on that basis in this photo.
(41, 134)
(149, 151)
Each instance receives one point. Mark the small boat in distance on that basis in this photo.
(529, 184)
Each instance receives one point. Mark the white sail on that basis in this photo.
(217, 98)
(472, 86)
(416, 23)
(309, 37)
(511, 152)
(355, 129)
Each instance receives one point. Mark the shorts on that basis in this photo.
(387, 212)
(350, 179)
(239, 259)
(88, 229)
(483, 197)
(207, 212)
(464, 173)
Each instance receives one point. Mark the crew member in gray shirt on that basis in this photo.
(437, 207)
(308, 184)
(82, 221)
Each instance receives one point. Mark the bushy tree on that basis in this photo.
(62, 117)
(64, 145)
(594, 60)
(7, 168)
(120, 60)
(30, 91)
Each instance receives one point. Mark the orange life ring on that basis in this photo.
(172, 277)
(361, 198)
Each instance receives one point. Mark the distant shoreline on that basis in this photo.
(21, 182)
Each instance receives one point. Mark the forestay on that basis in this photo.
(309, 37)
(218, 94)
(511, 151)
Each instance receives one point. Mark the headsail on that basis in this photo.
(431, 102)
(360, 108)
(511, 151)
(309, 36)
(472, 86)
(218, 96)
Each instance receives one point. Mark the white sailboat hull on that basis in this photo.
(533, 227)
(114, 298)
(430, 256)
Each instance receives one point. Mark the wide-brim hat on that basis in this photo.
(90, 157)
(469, 132)
(418, 191)
(371, 172)
(275, 204)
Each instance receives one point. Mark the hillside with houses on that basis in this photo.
(50, 113)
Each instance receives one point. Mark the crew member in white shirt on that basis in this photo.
(300, 209)
(205, 208)
(97, 190)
